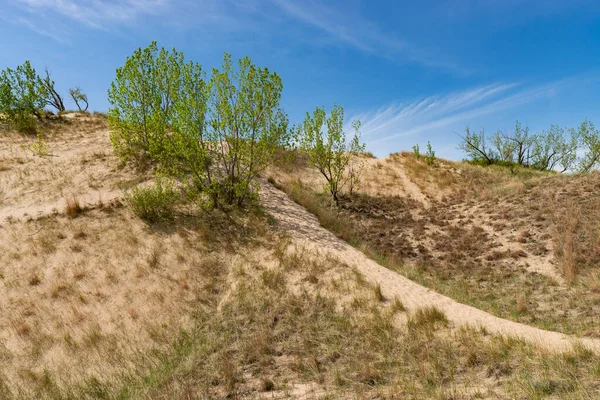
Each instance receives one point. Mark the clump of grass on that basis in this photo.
(73, 208)
(273, 279)
(566, 241)
(153, 203)
(397, 306)
(34, 280)
(378, 293)
(427, 317)
(267, 385)
(153, 258)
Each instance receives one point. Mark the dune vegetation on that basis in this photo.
(192, 244)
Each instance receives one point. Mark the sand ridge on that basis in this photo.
(304, 229)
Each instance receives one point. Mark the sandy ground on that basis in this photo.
(75, 292)
(306, 231)
(80, 165)
(66, 290)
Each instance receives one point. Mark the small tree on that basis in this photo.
(142, 98)
(475, 145)
(522, 142)
(590, 141)
(552, 149)
(330, 152)
(79, 97)
(416, 151)
(504, 148)
(568, 156)
(430, 155)
(52, 97)
(22, 96)
(245, 123)
(214, 136)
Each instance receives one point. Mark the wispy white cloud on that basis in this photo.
(55, 35)
(397, 116)
(344, 26)
(356, 31)
(444, 112)
(96, 13)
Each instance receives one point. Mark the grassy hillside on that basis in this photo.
(518, 243)
(97, 303)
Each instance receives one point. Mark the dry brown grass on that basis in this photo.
(260, 335)
(517, 250)
(73, 315)
(72, 208)
(225, 306)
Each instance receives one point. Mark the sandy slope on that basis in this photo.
(304, 228)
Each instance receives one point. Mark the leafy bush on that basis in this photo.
(153, 203)
(330, 152)
(24, 123)
(215, 136)
(22, 96)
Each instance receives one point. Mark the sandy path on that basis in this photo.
(305, 230)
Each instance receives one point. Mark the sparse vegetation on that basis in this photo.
(255, 336)
(463, 243)
(39, 147)
(430, 155)
(79, 97)
(416, 151)
(554, 149)
(259, 301)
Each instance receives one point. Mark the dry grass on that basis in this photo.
(72, 208)
(82, 166)
(259, 334)
(71, 316)
(518, 251)
(225, 306)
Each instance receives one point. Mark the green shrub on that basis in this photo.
(430, 155)
(22, 96)
(214, 135)
(416, 151)
(24, 123)
(153, 203)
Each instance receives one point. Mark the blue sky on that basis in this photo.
(410, 71)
